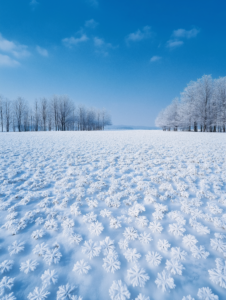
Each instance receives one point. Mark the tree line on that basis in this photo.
(57, 113)
(201, 107)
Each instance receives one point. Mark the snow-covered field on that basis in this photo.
(112, 215)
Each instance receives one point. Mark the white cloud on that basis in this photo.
(69, 42)
(91, 24)
(13, 48)
(174, 44)
(94, 3)
(7, 61)
(140, 35)
(101, 46)
(182, 33)
(42, 51)
(155, 58)
(33, 4)
(98, 42)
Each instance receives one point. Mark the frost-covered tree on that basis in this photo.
(202, 106)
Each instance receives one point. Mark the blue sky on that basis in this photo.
(130, 57)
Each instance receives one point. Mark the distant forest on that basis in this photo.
(57, 113)
(201, 107)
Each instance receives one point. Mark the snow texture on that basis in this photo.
(112, 215)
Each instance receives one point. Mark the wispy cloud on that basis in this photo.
(180, 34)
(188, 34)
(33, 4)
(7, 61)
(155, 58)
(174, 44)
(91, 24)
(42, 51)
(139, 35)
(101, 47)
(94, 3)
(72, 41)
(13, 48)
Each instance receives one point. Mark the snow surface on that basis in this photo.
(112, 215)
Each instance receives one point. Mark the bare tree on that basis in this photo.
(7, 114)
(19, 112)
(43, 110)
(106, 119)
(55, 111)
(36, 115)
(26, 119)
(1, 112)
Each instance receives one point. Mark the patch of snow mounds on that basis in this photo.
(86, 214)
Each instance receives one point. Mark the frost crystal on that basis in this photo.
(155, 227)
(29, 265)
(52, 256)
(178, 254)
(123, 244)
(131, 255)
(114, 223)
(189, 240)
(205, 293)
(145, 238)
(119, 291)
(96, 228)
(199, 252)
(164, 281)
(37, 234)
(153, 258)
(75, 239)
(137, 276)
(130, 233)
(91, 249)
(163, 245)
(64, 292)
(111, 264)
(189, 297)
(51, 225)
(49, 276)
(81, 267)
(6, 283)
(219, 245)
(6, 265)
(40, 249)
(105, 213)
(38, 294)
(142, 297)
(176, 229)
(16, 248)
(174, 266)
(107, 244)
(218, 275)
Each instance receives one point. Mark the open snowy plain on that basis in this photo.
(112, 215)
